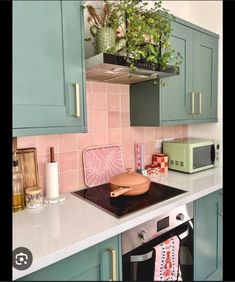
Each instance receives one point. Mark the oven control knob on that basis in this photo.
(142, 234)
(180, 216)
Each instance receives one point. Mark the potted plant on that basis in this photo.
(147, 33)
(106, 39)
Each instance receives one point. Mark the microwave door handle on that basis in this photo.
(213, 154)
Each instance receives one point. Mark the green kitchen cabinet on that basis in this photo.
(48, 68)
(191, 96)
(101, 262)
(208, 216)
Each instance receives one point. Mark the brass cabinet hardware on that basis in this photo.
(192, 103)
(221, 214)
(200, 102)
(77, 96)
(114, 270)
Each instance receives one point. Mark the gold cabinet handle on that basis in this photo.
(114, 270)
(77, 97)
(192, 103)
(200, 102)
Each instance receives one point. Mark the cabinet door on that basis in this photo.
(111, 259)
(208, 237)
(205, 80)
(83, 266)
(177, 93)
(47, 61)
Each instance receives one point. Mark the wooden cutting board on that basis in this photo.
(29, 166)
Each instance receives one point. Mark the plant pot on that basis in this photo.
(105, 38)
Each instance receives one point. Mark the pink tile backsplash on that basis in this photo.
(108, 107)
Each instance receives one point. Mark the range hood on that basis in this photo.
(114, 69)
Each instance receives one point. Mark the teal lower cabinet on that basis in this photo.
(208, 217)
(101, 262)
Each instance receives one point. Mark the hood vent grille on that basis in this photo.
(114, 69)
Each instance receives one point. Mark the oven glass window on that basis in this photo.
(201, 156)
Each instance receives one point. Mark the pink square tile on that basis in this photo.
(159, 133)
(82, 183)
(115, 136)
(42, 183)
(169, 132)
(98, 86)
(125, 89)
(68, 161)
(44, 142)
(42, 161)
(113, 88)
(149, 133)
(185, 131)
(100, 119)
(148, 160)
(67, 142)
(99, 101)
(128, 151)
(177, 131)
(149, 148)
(89, 121)
(114, 102)
(125, 117)
(127, 135)
(80, 159)
(129, 163)
(138, 134)
(125, 103)
(26, 142)
(69, 181)
(88, 85)
(84, 140)
(100, 137)
(114, 119)
(88, 101)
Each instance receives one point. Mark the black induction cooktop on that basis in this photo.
(123, 205)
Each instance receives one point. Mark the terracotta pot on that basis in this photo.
(129, 183)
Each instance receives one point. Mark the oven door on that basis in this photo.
(138, 264)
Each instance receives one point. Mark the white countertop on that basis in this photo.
(54, 232)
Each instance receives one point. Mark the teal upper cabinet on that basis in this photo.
(208, 237)
(101, 262)
(48, 68)
(191, 96)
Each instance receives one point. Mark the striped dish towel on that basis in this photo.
(167, 260)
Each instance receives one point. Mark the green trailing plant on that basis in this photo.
(146, 31)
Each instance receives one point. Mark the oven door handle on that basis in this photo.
(184, 234)
(143, 257)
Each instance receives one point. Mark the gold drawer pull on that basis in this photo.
(200, 102)
(77, 97)
(192, 103)
(114, 271)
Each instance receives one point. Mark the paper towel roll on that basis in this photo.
(52, 180)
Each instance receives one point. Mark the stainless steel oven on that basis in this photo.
(138, 243)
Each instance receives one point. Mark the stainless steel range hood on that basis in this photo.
(114, 69)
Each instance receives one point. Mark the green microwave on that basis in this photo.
(191, 154)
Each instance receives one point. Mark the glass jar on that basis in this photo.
(33, 197)
(18, 189)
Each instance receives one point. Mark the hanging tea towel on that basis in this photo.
(167, 260)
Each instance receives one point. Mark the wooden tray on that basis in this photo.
(29, 166)
(100, 163)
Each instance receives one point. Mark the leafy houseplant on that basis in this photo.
(144, 33)
(147, 33)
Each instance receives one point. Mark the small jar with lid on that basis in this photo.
(33, 197)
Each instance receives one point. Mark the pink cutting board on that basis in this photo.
(100, 163)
